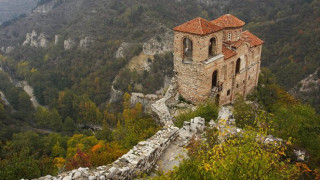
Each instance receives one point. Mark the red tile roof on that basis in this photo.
(234, 44)
(228, 21)
(228, 53)
(198, 26)
(252, 39)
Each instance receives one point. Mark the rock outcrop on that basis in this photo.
(4, 99)
(225, 123)
(7, 50)
(145, 100)
(56, 39)
(29, 90)
(85, 43)
(309, 84)
(115, 95)
(125, 49)
(69, 44)
(159, 44)
(33, 40)
(47, 7)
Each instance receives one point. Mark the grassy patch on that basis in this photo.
(207, 111)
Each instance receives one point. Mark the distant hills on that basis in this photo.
(290, 29)
(10, 9)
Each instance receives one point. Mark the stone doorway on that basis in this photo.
(217, 99)
(238, 66)
(214, 79)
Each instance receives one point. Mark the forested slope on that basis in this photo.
(71, 63)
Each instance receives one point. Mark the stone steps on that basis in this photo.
(213, 93)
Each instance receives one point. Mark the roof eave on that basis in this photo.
(196, 33)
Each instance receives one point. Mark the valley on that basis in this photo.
(72, 64)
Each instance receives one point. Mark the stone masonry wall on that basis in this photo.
(195, 78)
(142, 157)
(138, 160)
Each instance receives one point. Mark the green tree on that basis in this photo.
(58, 151)
(244, 113)
(42, 117)
(105, 134)
(69, 125)
(24, 104)
(2, 111)
(19, 166)
(89, 113)
(28, 141)
(55, 120)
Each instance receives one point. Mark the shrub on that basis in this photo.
(236, 158)
(244, 113)
(207, 111)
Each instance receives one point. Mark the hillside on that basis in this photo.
(10, 9)
(82, 56)
(59, 23)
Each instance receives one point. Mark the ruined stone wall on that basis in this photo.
(138, 160)
(142, 157)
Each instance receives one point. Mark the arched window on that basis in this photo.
(229, 36)
(238, 66)
(238, 34)
(187, 49)
(212, 47)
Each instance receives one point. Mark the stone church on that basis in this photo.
(216, 60)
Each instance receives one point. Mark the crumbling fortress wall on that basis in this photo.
(138, 160)
(142, 157)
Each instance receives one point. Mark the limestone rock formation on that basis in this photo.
(227, 127)
(7, 50)
(29, 90)
(56, 39)
(125, 48)
(159, 44)
(86, 42)
(4, 99)
(300, 154)
(33, 40)
(115, 95)
(69, 44)
(309, 84)
(47, 7)
(145, 100)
